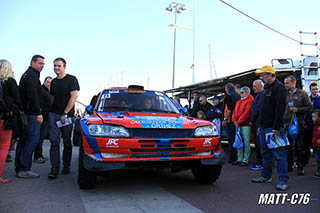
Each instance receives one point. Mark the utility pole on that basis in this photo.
(211, 64)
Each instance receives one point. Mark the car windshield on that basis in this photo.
(136, 101)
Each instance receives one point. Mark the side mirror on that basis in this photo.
(89, 109)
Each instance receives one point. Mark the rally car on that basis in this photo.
(133, 128)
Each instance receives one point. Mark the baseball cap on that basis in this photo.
(267, 69)
(215, 98)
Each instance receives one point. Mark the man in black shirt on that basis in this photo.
(64, 89)
(30, 91)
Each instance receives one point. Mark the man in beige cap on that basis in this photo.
(271, 120)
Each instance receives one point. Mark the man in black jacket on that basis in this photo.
(204, 104)
(271, 120)
(196, 104)
(231, 97)
(30, 91)
(44, 129)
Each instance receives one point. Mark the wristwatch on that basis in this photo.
(64, 115)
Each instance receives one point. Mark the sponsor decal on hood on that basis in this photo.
(160, 122)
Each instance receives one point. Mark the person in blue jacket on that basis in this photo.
(258, 87)
(215, 112)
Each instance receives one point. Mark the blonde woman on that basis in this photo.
(11, 96)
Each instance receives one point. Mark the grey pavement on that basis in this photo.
(125, 191)
(152, 191)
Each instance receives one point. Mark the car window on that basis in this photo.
(146, 101)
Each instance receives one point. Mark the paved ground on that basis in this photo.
(136, 191)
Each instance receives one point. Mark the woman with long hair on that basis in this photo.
(11, 92)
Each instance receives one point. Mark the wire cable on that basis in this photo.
(259, 22)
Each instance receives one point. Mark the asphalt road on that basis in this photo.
(156, 191)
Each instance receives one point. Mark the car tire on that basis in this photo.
(86, 180)
(206, 174)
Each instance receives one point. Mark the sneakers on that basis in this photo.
(300, 170)
(256, 166)
(9, 158)
(65, 170)
(243, 164)
(316, 175)
(282, 186)
(261, 179)
(27, 174)
(39, 160)
(53, 174)
(235, 163)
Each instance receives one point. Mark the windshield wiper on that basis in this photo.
(159, 110)
(112, 108)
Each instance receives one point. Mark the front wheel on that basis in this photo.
(207, 174)
(86, 180)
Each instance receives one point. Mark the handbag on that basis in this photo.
(275, 141)
(293, 127)
(18, 122)
(238, 142)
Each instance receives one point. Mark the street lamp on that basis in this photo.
(176, 8)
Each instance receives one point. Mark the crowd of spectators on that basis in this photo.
(30, 113)
(271, 111)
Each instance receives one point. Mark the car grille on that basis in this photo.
(161, 133)
(163, 150)
(163, 155)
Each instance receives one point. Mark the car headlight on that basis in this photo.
(206, 131)
(108, 131)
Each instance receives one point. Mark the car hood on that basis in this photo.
(149, 120)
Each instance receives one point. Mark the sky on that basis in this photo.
(119, 43)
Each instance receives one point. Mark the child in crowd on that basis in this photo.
(201, 115)
(316, 140)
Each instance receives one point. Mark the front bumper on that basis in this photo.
(102, 166)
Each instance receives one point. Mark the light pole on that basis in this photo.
(176, 8)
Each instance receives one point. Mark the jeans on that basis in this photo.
(231, 131)
(257, 144)
(281, 158)
(25, 149)
(44, 132)
(54, 135)
(297, 148)
(307, 135)
(317, 155)
(244, 152)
